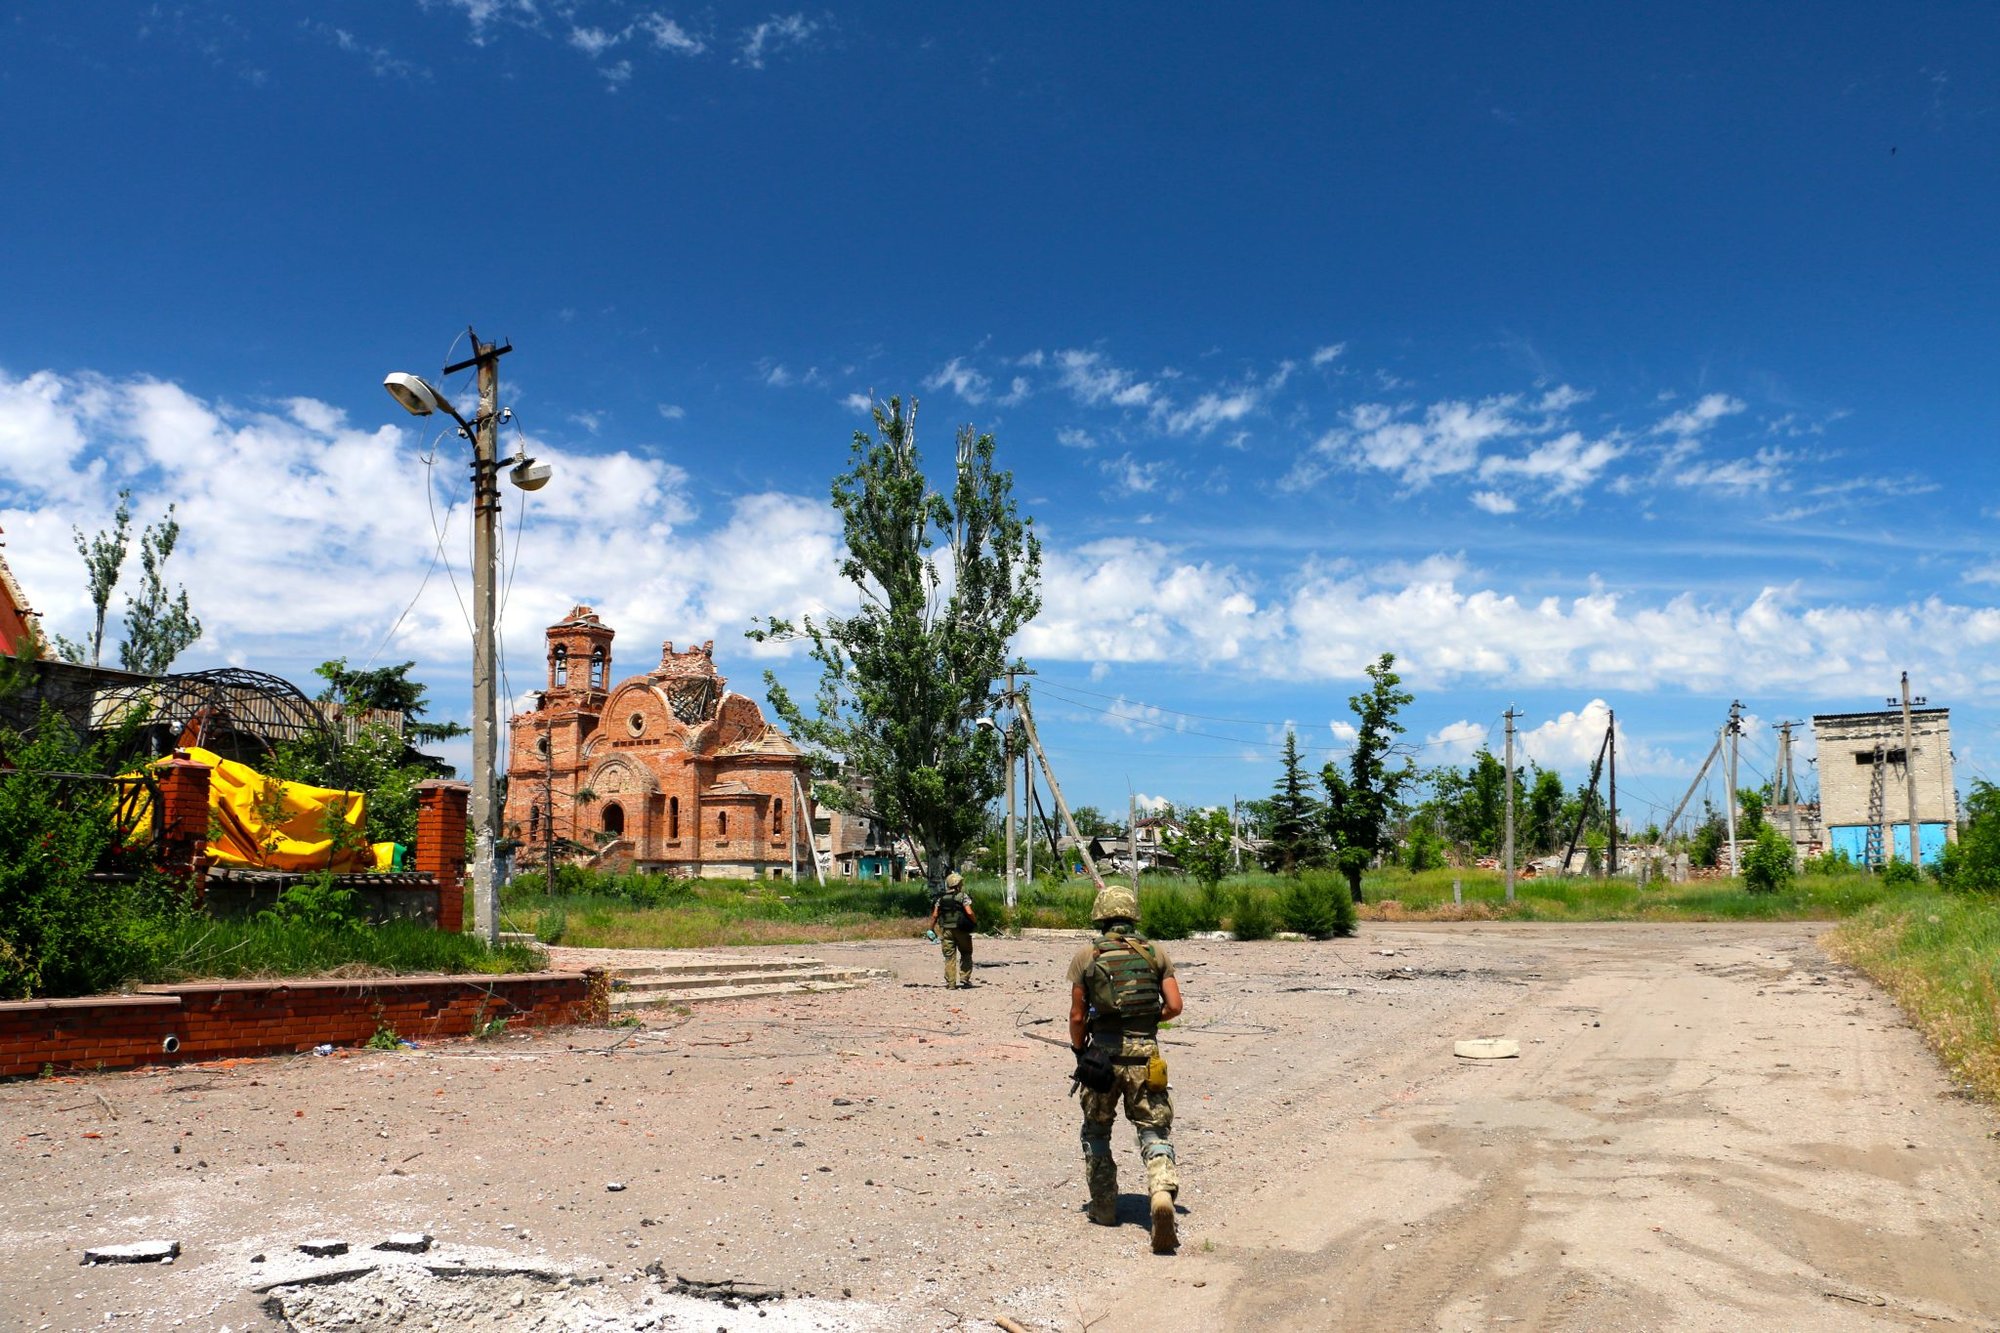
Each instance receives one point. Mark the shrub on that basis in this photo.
(1767, 866)
(1210, 906)
(318, 901)
(1254, 919)
(1318, 906)
(1901, 875)
(989, 910)
(1835, 862)
(550, 924)
(1166, 915)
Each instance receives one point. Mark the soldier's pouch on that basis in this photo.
(1094, 1069)
(1156, 1073)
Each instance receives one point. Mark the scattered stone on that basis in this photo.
(406, 1242)
(614, 1186)
(323, 1249)
(138, 1252)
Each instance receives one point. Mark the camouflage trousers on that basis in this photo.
(956, 946)
(1151, 1114)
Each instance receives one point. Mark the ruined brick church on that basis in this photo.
(667, 772)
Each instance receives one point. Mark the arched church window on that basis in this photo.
(559, 666)
(535, 824)
(673, 816)
(597, 667)
(721, 823)
(614, 820)
(777, 819)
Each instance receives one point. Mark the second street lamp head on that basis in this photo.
(416, 396)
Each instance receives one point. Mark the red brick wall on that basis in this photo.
(212, 1020)
(441, 821)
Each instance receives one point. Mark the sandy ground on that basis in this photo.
(1709, 1127)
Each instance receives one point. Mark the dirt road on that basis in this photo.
(1708, 1127)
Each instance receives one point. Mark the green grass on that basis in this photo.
(1398, 895)
(200, 949)
(692, 914)
(1939, 955)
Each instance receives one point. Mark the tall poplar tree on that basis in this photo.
(946, 578)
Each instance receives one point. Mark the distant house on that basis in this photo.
(1868, 774)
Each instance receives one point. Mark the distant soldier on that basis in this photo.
(1121, 987)
(952, 920)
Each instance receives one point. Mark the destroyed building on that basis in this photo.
(666, 772)
(1868, 774)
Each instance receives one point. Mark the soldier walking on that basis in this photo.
(1121, 987)
(952, 920)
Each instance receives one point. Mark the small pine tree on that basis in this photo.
(1253, 918)
(1318, 906)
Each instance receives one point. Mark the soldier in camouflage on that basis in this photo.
(1121, 987)
(952, 918)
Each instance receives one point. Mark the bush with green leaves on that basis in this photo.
(1211, 905)
(1253, 918)
(1768, 866)
(63, 933)
(1901, 874)
(1317, 905)
(1166, 915)
(318, 900)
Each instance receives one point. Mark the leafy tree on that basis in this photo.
(1750, 812)
(1973, 862)
(1545, 811)
(103, 557)
(158, 624)
(1204, 846)
(1294, 824)
(1768, 866)
(1360, 802)
(1091, 823)
(1706, 846)
(945, 581)
(388, 689)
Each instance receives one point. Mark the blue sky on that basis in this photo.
(1583, 358)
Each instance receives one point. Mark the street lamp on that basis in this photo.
(420, 399)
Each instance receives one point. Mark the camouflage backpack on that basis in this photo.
(1123, 982)
(951, 909)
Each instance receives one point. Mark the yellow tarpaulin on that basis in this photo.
(256, 821)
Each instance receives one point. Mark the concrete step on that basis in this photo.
(624, 1000)
(705, 979)
(711, 964)
(693, 981)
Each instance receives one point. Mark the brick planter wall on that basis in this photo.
(211, 1020)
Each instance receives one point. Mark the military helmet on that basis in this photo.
(954, 880)
(1115, 902)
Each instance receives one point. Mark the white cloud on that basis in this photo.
(1763, 472)
(1132, 477)
(1446, 441)
(858, 402)
(1454, 743)
(777, 33)
(1698, 419)
(668, 35)
(964, 381)
(1095, 381)
(1561, 466)
(594, 42)
(1211, 410)
(1494, 502)
(1072, 438)
(1328, 354)
(672, 411)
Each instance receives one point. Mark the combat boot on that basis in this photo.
(1165, 1238)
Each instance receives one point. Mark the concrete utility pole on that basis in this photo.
(1735, 730)
(1910, 773)
(1236, 831)
(1787, 790)
(1055, 790)
(485, 639)
(1132, 827)
(1007, 757)
(1611, 743)
(1507, 852)
(1028, 804)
